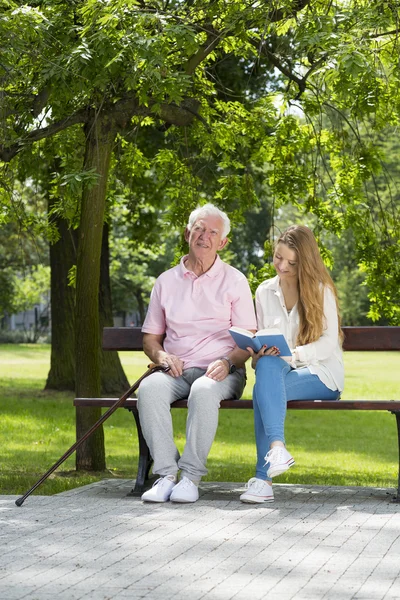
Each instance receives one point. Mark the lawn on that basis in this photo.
(330, 448)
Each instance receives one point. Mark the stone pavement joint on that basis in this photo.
(96, 543)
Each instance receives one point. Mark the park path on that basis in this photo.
(95, 543)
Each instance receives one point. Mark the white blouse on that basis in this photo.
(324, 357)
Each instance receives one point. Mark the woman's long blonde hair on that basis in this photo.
(313, 277)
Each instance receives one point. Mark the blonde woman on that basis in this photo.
(301, 301)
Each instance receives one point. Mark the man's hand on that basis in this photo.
(170, 360)
(218, 370)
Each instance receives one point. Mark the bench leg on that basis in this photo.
(397, 415)
(145, 460)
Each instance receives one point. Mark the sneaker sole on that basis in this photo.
(179, 501)
(256, 500)
(279, 469)
(152, 500)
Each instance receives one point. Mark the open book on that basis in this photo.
(268, 337)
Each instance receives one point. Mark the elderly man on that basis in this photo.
(191, 309)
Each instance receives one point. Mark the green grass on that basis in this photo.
(331, 448)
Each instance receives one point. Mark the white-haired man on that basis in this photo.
(191, 309)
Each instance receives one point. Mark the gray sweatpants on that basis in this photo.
(156, 394)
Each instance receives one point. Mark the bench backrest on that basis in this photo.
(355, 338)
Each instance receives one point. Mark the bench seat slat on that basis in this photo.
(293, 404)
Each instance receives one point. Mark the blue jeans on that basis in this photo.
(276, 384)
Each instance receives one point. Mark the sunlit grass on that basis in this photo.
(330, 448)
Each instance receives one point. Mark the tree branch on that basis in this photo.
(214, 36)
(313, 68)
(40, 101)
(376, 35)
(121, 113)
(8, 152)
(301, 82)
(191, 105)
(212, 41)
(275, 61)
(281, 13)
(126, 108)
(181, 115)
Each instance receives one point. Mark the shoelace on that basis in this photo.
(186, 483)
(160, 480)
(256, 484)
(157, 481)
(274, 454)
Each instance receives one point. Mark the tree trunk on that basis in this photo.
(100, 136)
(113, 378)
(62, 362)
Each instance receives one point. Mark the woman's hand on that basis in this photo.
(265, 351)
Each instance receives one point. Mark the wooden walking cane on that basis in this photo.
(152, 369)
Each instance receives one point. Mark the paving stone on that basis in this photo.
(95, 543)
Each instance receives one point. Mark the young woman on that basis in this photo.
(301, 301)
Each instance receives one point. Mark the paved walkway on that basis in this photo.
(95, 543)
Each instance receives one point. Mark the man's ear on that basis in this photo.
(223, 243)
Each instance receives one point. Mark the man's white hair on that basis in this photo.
(210, 210)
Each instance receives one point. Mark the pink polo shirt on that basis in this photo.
(195, 313)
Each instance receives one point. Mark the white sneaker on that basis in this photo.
(161, 490)
(185, 491)
(279, 461)
(258, 491)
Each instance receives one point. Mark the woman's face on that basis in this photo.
(285, 262)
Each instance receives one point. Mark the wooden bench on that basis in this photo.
(356, 338)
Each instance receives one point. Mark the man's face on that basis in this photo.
(205, 237)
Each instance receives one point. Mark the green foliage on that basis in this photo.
(23, 276)
(289, 103)
(7, 292)
(8, 336)
(331, 154)
(30, 290)
(353, 300)
(23, 206)
(129, 272)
